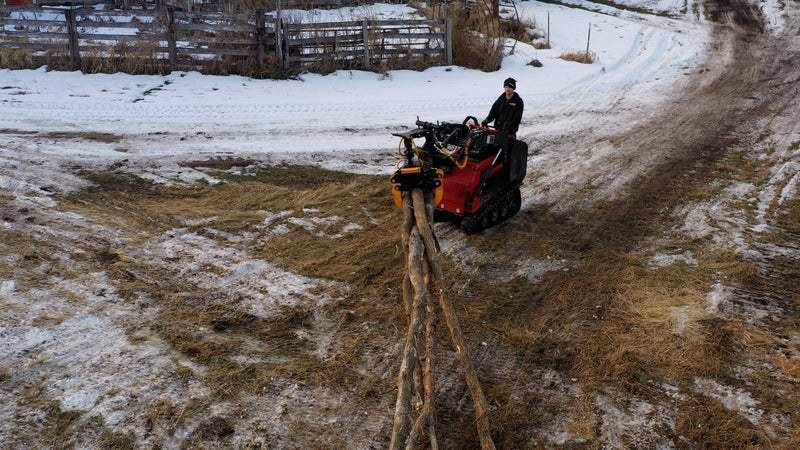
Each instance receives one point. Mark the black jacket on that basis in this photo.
(507, 113)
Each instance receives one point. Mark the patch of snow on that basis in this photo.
(196, 222)
(262, 286)
(7, 287)
(271, 217)
(734, 399)
(351, 227)
(533, 269)
(713, 219)
(302, 223)
(782, 185)
(679, 317)
(717, 297)
(280, 229)
(666, 260)
(92, 365)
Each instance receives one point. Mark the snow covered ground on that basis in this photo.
(350, 114)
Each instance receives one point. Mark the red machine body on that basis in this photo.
(475, 171)
(459, 185)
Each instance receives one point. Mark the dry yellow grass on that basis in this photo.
(606, 324)
(587, 57)
(15, 59)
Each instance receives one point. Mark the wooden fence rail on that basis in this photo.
(189, 40)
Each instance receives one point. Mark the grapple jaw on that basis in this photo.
(407, 179)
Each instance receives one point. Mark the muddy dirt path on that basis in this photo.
(745, 96)
(743, 75)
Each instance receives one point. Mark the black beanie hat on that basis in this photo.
(510, 82)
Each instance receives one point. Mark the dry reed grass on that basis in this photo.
(365, 260)
(26, 253)
(87, 135)
(15, 59)
(587, 57)
(478, 37)
(475, 51)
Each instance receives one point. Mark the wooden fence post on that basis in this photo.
(261, 31)
(173, 46)
(287, 54)
(448, 41)
(284, 64)
(72, 31)
(588, 38)
(365, 32)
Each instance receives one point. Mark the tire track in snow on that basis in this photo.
(655, 54)
(143, 111)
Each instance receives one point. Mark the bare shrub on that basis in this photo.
(56, 60)
(516, 29)
(409, 63)
(249, 6)
(222, 65)
(329, 65)
(479, 37)
(15, 59)
(478, 40)
(142, 59)
(272, 68)
(581, 57)
(122, 57)
(474, 51)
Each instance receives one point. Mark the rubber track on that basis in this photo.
(472, 224)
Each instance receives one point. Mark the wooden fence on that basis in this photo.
(191, 40)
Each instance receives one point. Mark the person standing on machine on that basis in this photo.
(507, 110)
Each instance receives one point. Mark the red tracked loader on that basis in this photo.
(476, 171)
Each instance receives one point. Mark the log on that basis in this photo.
(428, 415)
(430, 367)
(405, 235)
(451, 319)
(423, 271)
(402, 422)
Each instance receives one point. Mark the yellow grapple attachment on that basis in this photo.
(410, 178)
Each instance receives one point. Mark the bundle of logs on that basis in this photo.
(424, 282)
